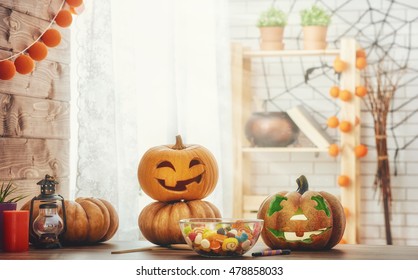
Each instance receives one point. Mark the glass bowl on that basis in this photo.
(218, 237)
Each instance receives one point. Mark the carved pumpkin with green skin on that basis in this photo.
(302, 220)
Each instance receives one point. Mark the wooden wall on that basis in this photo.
(34, 108)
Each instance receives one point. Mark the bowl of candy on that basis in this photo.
(219, 238)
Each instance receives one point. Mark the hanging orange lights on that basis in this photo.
(346, 126)
(23, 62)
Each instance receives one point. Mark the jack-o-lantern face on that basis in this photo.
(302, 219)
(179, 172)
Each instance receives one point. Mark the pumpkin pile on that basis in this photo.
(177, 176)
(89, 220)
(302, 220)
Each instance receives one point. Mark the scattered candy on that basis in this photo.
(221, 239)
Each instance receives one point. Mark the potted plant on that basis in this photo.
(271, 24)
(8, 201)
(315, 23)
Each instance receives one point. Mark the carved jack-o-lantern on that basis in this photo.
(305, 220)
(178, 172)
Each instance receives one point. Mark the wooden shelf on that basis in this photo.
(260, 53)
(282, 150)
(246, 204)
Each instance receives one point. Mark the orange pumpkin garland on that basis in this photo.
(339, 65)
(361, 91)
(361, 63)
(360, 151)
(38, 51)
(360, 53)
(345, 95)
(7, 70)
(74, 3)
(333, 150)
(333, 122)
(24, 64)
(64, 18)
(345, 126)
(343, 181)
(334, 91)
(51, 38)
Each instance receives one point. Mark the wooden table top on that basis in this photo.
(104, 251)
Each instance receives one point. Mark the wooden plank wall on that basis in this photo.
(34, 108)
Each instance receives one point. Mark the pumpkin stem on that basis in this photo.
(179, 144)
(303, 185)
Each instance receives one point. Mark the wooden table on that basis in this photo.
(104, 252)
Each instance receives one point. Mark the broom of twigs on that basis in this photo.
(381, 87)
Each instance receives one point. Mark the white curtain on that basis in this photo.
(147, 71)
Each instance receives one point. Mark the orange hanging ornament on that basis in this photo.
(64, 18)
(339, 65)
(333, 122)
(333, 150)
(360, 53)
(345, 95)
(361, 63)
(345, 126)
(7, 70)
(24, 64)
(360, 151)
(51, 38)
(361, 91)
(334, 91)
(343, 181)
(38, 51)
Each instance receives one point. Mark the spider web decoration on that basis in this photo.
(387, 37)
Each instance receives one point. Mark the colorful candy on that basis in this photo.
(230, 244)
(221, 239)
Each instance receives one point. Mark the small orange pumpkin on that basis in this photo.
(159, 221)
(178, 172)
(302, 220)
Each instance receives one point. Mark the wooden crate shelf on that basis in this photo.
(246, 205)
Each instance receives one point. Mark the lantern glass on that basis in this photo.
(48, 225)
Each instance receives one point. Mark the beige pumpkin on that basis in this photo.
(89, 220)
(159, 221)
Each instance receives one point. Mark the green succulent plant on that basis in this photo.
(272, 17)
(315, 16)
(7, 190)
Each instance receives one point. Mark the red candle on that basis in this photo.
(16, 231)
